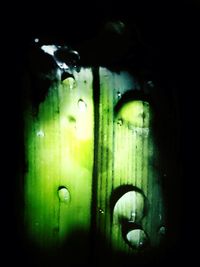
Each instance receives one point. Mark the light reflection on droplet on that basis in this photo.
(133, 216)
(49, 49)
(141, 244)
(40, 133)
(63, 65)
(63, 194)
(82, 105)
(36, 40)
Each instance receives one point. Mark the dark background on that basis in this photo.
(169, 35)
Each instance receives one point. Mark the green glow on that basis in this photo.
(132, 161)
(59, 152)
(59, 149)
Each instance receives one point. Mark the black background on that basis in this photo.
(169, 29)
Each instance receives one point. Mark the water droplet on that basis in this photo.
(135, 113)
(130, 207)
(120, 122)
(36, 40)
(63, 194)
(162, 230)
(82, 105)
(150, 84)
(119, 94)
(40, 133)
(101, 211)
(137, 238)
(141, 244)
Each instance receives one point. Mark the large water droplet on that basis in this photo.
(137, 238)
(135, 114)
(129, 206)
(82, 105)
(63, 194)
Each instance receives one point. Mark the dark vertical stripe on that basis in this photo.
(96, 99)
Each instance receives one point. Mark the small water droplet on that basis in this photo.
(162, 230)
(77, 68)
(119, 94)
(36, 40)
(150, 84)
(120, 122)
(63, 194)
(40, 133)
(82, 105)
(101, 211)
